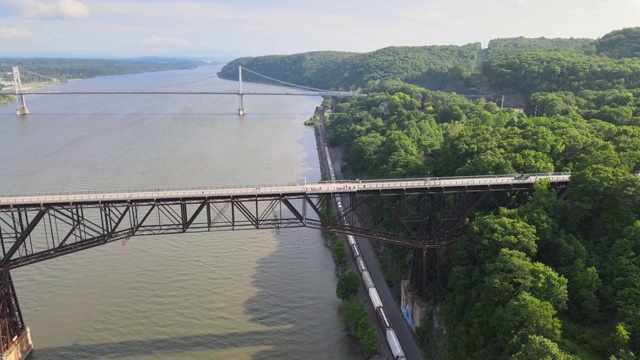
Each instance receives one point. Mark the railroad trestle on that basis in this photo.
(425, 215)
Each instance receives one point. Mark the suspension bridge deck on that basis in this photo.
(159, 92)
(299, 90)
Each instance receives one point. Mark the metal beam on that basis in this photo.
(85, 221)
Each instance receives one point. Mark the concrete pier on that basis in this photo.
(21, 346)
(241, 105)
(23, 110)
(240, 94)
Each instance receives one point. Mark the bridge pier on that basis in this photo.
(15, 336)
(17, 86)
(426, 269)
(22, 107)
(241, 106)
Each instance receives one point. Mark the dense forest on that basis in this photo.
(518, 67)
(552, 279)
(554, 275)
(350, 71)
(556, 279)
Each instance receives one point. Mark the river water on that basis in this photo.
(221, 295)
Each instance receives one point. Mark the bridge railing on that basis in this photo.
(291, 188)
(447, 178)
(297, 183)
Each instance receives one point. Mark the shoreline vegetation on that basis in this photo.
(31, 86)
(39, 73)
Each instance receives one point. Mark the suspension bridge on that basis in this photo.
(249, 76)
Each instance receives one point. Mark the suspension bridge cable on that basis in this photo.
(188, 83)
(287, 83)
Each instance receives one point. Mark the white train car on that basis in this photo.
(356, 250)
(394, 344)
(352, 241)
(375, 298)
(361, 266)
(368, 281)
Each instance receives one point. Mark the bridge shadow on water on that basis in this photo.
(301, 299)
(165, 346)
(297, 308)
(299, 280)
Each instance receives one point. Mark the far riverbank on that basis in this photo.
(28, 86)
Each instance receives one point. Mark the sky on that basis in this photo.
(231, 28)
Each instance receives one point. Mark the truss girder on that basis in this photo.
(11, 321)
(425, 219)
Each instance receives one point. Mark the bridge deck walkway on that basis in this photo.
(454, 184)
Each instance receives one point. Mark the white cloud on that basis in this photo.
(14, 33)
(62, 9)
(71, 9)
(159, 40)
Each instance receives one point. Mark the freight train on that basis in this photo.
(392, 339)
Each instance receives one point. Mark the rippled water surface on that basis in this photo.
(221, 295)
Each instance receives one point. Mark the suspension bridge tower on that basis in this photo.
(17, 85)
(241, 105)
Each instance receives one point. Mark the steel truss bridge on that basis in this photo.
(39, 227)
(429, 214)
(249, 76)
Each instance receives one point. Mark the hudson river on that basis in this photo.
(219, 295)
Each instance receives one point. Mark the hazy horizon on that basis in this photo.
(228, 29)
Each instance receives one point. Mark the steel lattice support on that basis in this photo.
(422, 217)
(11, 322)
(33, 233)
(447, 216)
(427, 217)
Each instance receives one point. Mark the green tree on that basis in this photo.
(351, 311)
(540, 348)
(370, 342)
(523, 317)
(348, 285)
(339, 251)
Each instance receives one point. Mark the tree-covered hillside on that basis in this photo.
(348, 71)
(620, 44)
(527, 72)
(552, 279)
(511, 45)
(520, 66)
(40, 69)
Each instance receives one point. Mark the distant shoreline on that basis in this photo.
(30, 86)
(39, 85)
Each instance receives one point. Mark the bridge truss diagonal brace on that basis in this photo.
(11, 321)
(33, 232)
(20, 240)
